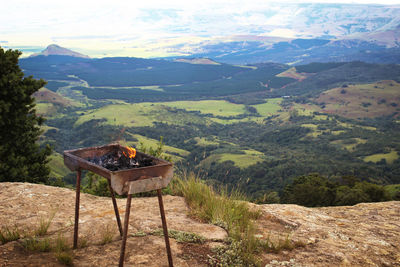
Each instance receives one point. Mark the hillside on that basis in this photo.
(140, 80)
(361, 235)
(263, 124)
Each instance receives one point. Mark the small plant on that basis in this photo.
(107, 235)
(139, 234)
(65, 257)
(62, 251)
(83, 242)
(231, 255)
(181, 236)
(36, 244)
(8, 235)
(44, 224)
(61, 244)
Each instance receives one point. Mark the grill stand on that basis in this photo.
(123, 233)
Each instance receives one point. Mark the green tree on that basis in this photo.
(310, 190)
(350, 196)
(21, 158)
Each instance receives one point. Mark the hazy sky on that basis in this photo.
(115, 25)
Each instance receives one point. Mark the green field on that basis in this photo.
(269, 108)
(140, 114)
(214, 107)
(389, 157)
(45, 109)
(248, 158)
(145, 114)
(350, 144)
(201, 141)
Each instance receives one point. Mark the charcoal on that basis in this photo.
(116, 160)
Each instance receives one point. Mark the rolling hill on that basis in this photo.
(255, 126)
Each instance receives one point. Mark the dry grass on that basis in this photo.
(225, 209)
(44, 224)
(107, 234)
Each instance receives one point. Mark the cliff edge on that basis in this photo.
(366, 234)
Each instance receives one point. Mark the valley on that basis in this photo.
(322, 119)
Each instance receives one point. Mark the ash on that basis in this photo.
(116, 161)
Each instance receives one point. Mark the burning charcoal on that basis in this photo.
(121, 160)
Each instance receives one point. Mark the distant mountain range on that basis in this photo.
(374, 47)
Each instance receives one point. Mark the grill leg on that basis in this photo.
(164, 224)
(115, 208)
(77, 198)
(126, 224)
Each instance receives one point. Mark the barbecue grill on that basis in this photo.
(123, 182)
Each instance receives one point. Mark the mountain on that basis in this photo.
(54, 49)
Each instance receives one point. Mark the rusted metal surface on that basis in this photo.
(115, 208)
(77, 199)
(76, 159)
(165, 229)
(126, 224)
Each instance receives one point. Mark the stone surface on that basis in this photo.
(361, 235)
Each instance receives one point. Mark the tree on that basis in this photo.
(310, 190)
(21, 158)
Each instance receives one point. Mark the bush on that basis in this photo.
(310, 190)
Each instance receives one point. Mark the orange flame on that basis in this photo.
(131, 152)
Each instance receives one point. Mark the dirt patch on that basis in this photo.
(195, 254)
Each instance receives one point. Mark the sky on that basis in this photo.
(143, 28)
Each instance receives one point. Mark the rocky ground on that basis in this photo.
(361, 235)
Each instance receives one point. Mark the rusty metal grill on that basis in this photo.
(123, 182)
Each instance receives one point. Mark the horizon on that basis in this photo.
(153, 28)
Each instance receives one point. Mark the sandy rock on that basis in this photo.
(366, 234)
(361, 235)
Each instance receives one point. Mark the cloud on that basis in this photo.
(116, 24)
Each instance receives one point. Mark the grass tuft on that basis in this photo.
(44, 224)
(7, 234)
(62, 250)
(83, 242)
(36, 244)
(65, 257)
(61, 244)
(107, 234)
